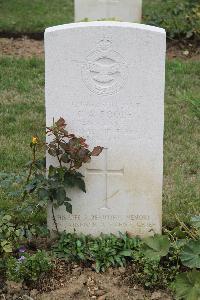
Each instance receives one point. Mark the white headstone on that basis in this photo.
(121, 10)
(106, 79)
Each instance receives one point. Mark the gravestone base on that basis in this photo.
(102, 222)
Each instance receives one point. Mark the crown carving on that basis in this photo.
(104, 44)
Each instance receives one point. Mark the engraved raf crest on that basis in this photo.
(105, 70)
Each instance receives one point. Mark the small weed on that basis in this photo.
(28, 267)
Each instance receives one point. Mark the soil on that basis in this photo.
(88, 284)
(185, 51)
(76, 282)
(21, 47)
(25, 47)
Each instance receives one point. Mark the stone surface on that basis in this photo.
(121, 10)
(107, 80)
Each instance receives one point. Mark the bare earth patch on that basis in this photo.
(184, 51)
(25, 47)
(83, 284)
(22, 47)
(71, 281)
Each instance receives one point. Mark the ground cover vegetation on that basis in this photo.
(180, 18)
(168, 261)
(22, 115)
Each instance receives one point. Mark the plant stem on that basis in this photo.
(31, 166)
(54, 219)
(59, 159)
(71, 166)
(30, 171)
(189, 232)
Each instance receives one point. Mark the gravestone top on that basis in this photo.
(105, 24)
(120, 10)
(106, 79)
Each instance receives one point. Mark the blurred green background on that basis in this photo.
(180, 18)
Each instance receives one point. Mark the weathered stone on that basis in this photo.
(107, 80)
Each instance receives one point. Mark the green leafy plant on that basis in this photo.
(154, 266)
(12, 182)
(151, 273)
(28, 267)
(109, 250)
(70, 153)
(187, 286)
(158, 269)
(72, 247)
(180, 18)
(195, 221)
(103, 251)
(9, 234)
(190, 255)
(156, 246)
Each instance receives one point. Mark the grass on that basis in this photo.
(35, 15)
(22, 115)
(21, 108)
(182, 140)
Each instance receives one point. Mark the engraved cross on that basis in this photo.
(106, 172)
